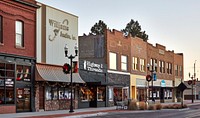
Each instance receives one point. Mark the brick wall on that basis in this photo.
(160, 53)
(7, 109)
(139, 50)
(119, 44)
(12, 11)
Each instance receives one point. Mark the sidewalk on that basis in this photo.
(77, 112)
(61, 113)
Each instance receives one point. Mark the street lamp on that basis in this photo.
(71, 58)
(192, 86)
(153, 73)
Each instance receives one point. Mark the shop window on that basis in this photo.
(7, 83)
(110, 93)
(48, 93)
(54, 93)
(2, 101)
(23, 73)
(86, 94)
(117, 94)
(9, 95)
(64, 93)
(125, 93)
(101, 93)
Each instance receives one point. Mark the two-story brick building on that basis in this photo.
(127, 59)
(17, 55)
(161, 62)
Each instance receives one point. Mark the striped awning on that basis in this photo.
(54, 73)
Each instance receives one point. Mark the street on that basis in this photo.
(191, 112)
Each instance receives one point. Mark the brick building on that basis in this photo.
(138, 69)
(127, 59)
(17, 55)
(164, 64)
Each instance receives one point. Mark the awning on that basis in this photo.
(53, 73)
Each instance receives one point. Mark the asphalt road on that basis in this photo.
(191, 112)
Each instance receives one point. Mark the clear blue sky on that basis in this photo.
(172, 23)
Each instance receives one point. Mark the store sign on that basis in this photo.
(91, 66)
(162, 83)
(9, 82)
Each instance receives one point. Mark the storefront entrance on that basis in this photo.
(23, 99)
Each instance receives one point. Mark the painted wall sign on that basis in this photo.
(60, 29)
(91, 66)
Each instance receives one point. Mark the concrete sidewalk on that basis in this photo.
(60, 113)
(77, 112)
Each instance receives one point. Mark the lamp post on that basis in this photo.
(152, 76)
(193, 81)
(192, 87)
(71, 57)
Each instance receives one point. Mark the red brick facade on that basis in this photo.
(159, 52)
(119, 44)
(10, 12)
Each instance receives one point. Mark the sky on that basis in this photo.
(172, 23)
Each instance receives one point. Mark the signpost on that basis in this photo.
(182, 87)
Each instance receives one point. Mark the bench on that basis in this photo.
(122, 104)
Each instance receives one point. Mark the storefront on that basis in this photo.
(142, 89)
(162, 90)
(118, 87)
(16, 83)
(93, 93)
(53, 90)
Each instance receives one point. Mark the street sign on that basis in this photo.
(182, 86)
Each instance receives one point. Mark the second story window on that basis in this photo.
(113, 61)
(135, 63)
(142, 65)
(124, 63)
(19, 31)
(1, 29)
(162, 66)
(181, 70)
(176, 70)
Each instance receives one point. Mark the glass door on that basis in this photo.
(23, 99)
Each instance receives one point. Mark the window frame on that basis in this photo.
(19, 32)
(112, 60)
(142, 65)
(124, 60)
(134, 63)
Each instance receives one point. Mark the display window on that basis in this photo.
(55, 93)
(101, 93)
(86, 94)
(110, 89)
(23, 73)
(7, 75)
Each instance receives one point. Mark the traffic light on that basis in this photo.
(66, 68)
(148, 78)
